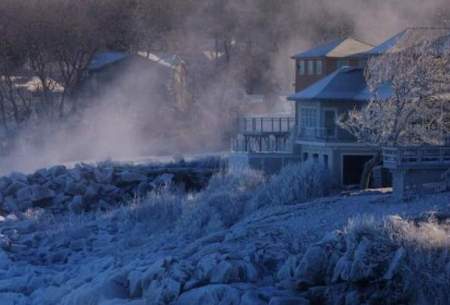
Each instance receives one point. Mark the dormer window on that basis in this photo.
(301, 67)
(310, 67)
(319, 67)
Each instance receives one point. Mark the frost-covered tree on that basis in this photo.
(410, 100)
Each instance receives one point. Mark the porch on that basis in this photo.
(416, 168)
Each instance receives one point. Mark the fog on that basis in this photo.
(134, 118)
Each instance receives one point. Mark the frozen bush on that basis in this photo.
(158, 210)
(295, 183)
(424, 275)
(222, 203)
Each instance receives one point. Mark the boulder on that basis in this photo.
(57, 170)
(10, 204)
(253, 298)
(135, 284)
(77, 204)
(288, 301)
(210, 295)
(41, 195)
(104, 175)
(13, 187)
(164, 291)
(129, 177)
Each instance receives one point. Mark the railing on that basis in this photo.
(317, 133)
(264, 144)
(420, 156)
(265, 124)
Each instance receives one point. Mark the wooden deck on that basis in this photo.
(265, 125)
(263, 135)
(419, 157)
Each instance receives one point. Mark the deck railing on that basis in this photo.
(265, 124)
(420, 156)
(269, 144)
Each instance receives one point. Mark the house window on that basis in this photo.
(343, 63)
(308, 117)
(310, 67)
(325, 161)
(301, 67)
(316, 158)
(305, 156)
(330, 123)
(319, 67)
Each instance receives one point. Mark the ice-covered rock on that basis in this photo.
(77, 204)
(288, 301)
(210, 295)
(129, 177)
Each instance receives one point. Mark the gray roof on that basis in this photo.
(336, 49)
(345, 84)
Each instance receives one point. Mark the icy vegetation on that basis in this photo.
(241, 239)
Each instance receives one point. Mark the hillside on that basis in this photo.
(150, 252)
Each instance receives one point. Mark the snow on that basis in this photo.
(139, 254)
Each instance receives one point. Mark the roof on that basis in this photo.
(339, 48)
(408, 38)
(345, 84)
(102, 59)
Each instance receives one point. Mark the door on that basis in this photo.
(330, 123)
(352, 168)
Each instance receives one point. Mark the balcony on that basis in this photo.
(263, 135)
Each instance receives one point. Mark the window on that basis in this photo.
(316, 158)
(330, 123)
(310, 67)
(319, 67)
(305, 156)
(343, 63)
(308, 117)
(325, 161)
(301, 67)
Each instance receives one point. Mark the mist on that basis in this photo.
(250, 44)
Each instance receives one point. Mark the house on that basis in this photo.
(329, 82)
(138, 76)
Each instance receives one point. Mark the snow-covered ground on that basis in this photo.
(137, 255)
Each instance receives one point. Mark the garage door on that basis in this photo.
(353, 167)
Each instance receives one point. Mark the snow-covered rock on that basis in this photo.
(209, 295)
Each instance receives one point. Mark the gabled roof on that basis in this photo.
(103, 59)
(408, 38)
(345, 84)
(336, 49)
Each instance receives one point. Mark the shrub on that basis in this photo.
(424, 277)
(295, 183)
(222, 203)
